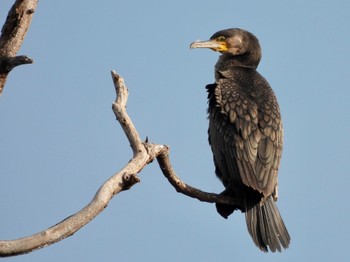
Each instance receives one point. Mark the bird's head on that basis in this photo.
(241, 45)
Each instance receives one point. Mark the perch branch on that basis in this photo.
(143, 154)
(12, 35)
(181, 187)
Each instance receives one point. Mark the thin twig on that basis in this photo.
(8, 63)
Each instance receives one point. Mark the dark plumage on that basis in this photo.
(246, 136)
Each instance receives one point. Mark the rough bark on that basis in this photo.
(13, 33)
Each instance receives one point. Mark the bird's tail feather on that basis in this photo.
(266, 226)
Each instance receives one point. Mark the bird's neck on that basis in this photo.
(229, 62)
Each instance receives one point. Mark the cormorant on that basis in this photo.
(246, 135)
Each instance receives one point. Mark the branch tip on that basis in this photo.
(115, 75)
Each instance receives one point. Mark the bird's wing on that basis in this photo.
(246, 138)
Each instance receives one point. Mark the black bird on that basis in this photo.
(246, 136)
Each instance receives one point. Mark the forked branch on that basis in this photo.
(123, 180)
(143, 154)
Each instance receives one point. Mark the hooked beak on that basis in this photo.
(212, 44)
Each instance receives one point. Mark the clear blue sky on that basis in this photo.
(59, 139)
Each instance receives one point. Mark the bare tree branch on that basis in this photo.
(12, 35)
(143, 154)
(122, 180)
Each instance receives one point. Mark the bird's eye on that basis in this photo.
(220, 39)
